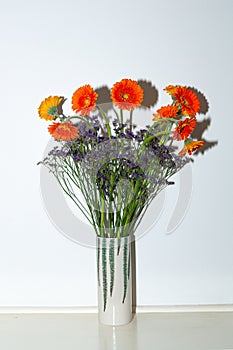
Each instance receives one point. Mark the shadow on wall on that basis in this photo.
(151, 98)
(202, 126)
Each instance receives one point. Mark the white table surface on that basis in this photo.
(151, 331)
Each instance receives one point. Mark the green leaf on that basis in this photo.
(112, 264)
(125, 269)
(104, 271)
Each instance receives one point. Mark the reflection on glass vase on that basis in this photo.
(114, 280)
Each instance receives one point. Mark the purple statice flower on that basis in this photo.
(124, 168)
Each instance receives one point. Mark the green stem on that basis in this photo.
(118, 216)
(164, 138)
(106, 121)
(131, 120)
(116, 114)
(121, 116)
(155, 135)
(82, 119)
(68, 194)
(102, 217)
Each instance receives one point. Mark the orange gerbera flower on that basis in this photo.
(191, 147)
(184, 128)
(84, 100)
(186, 100)
(171, 89)
(63, 131)
(127, 94)
(166, 112)
(48, 107)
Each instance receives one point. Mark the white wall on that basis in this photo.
(53, 47)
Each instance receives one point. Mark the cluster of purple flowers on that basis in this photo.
(119, 168)
(96, 134)
(109, 175)
(122, 156)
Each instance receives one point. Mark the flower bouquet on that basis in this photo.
(118, 170)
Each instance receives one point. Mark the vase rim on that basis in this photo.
(130, 238)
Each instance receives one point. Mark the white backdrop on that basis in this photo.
(51, 48)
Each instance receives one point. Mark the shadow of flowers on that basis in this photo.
(150, 99)
(203, 125)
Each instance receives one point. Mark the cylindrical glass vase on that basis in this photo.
(114, 280)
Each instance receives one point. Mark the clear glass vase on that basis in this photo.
(114, 280)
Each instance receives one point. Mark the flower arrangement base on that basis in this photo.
(114, 280)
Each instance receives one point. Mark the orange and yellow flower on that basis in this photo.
(184, 128)
(187, 100)
(127, 94)
(84, 100)
(171, 89)
(184, 98)
(191, 147)
(166, 112)
(63, 131)
(48, 107)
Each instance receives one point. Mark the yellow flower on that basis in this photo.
(48, 107)
(191, 147)
(171, 89)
